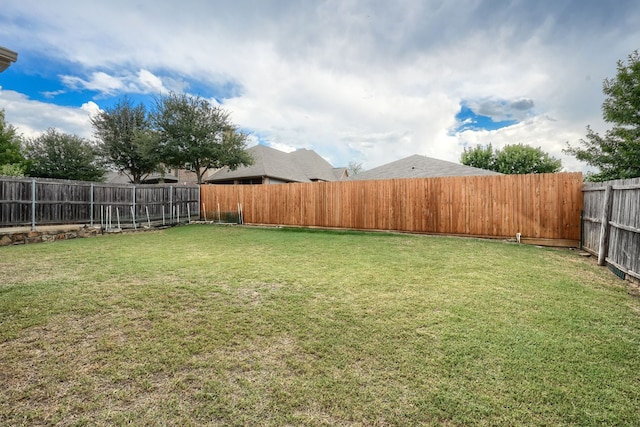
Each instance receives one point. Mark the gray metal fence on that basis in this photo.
(611, 224)
(36, 201)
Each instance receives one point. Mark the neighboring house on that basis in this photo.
(417, 166)
(271, 166)
(171, 176)
(182, 176)
(6, 58)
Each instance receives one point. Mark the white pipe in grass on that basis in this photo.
(146, 209)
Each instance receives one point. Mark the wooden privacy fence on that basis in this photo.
(543, 208)
(611, 224)
(32, 201)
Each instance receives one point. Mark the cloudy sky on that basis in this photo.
(364, 81)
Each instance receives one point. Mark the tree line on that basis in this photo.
(181, 131)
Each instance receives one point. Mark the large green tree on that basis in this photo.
(12, 161)
(197, 135)
(617, 153)
(62, 156)
(512, 159)
(478, 157)
(126, 139)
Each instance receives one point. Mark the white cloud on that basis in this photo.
(150, 82)
(98, 81)
(354, 80)
(31, 118)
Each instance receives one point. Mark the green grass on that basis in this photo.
(205, 325)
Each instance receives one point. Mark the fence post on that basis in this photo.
(603, 246)
(91, 206)
(170, 204)
(133, 204)
(33, 204)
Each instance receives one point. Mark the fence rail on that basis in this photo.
(35, 202)
(543, 207)
(611, 224)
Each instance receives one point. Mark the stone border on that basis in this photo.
(19, 236)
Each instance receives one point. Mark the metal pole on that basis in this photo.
(133, 205)
(91, 206)
(146, 208)
(133, 219)
(33, 203)
(170, 203)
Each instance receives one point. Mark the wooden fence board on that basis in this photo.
(544, 206)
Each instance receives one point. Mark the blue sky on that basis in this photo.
(354, 80)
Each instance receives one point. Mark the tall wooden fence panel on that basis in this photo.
(541, 206)
(32, 201)
(611, 223)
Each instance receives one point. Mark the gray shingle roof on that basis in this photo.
(298, 166)
(418, 166)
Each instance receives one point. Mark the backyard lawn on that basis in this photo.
(213, 325)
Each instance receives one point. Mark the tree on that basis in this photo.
(479, 157)
(512, 159)
(12, 161)
(617, 153)
(127, 141)
(354, 168)
(522, 159)
(62, 156)
(198, 136)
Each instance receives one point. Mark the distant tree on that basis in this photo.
(12, 161)
(62, 156)
(196, 135)
(512, 159)
(617, 153)
(522, 159)
(126, 140)
(479, 157)
(354, 168)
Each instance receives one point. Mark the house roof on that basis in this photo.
(298, 166)
(6, 58)
(418, 166)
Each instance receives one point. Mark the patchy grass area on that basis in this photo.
(205, 325)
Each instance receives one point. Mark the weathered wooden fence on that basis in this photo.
(543, 208)
(611, 223)
(34, 201)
